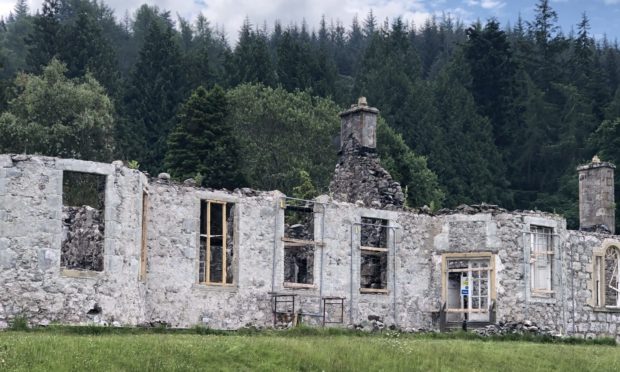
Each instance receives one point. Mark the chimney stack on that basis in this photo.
(358, 128)
(596, 196)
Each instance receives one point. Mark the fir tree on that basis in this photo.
(152, 98)
(203, 144)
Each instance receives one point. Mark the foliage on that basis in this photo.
(19, 323)
(152, 99)
(325, 350)
(501, 113)
(56, 116)
(203, 144)
(305, 189)
(281, 133)
(408, 168)
(289, 142)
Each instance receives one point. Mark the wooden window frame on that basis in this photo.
(534, 253)
(376, 251)
(289, 243)
(207, 238)
(468, 256)
(599, 280)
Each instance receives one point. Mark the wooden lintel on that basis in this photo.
(373, 249)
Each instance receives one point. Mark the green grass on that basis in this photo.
(298, 350)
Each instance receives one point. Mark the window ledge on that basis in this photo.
(533, 298)
(215, 287)
(298, 285)
(374, 291)
(80, 274)
(606, 309)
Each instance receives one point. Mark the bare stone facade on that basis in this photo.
(418, 249)
(596, 196)
(141, 251)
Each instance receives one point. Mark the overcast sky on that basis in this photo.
(604, 14)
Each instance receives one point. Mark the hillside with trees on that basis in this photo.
(471, 113)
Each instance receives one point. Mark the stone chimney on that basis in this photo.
(359, 176)
(358, 128)
(596, 196)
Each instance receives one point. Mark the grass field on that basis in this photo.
(134, 351)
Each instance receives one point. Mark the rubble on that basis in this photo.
(525, 327)
(360, 176)
(82, 244)
(472, 209)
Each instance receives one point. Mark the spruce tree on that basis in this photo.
(203, 143)
(44, 42)
(152, 98)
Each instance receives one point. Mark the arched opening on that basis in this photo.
(610, 274)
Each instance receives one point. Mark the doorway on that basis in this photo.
(468, 288)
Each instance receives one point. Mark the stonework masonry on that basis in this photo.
(596, 196)
(118, 248)
(359, 176)
(421, 250)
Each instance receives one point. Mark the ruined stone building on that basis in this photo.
(84, 242)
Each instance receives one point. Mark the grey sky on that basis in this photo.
(230, 14)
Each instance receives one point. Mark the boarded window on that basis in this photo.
(216, 242)
(83, 196)
(299, 243)
(373, 255)
(541, 260)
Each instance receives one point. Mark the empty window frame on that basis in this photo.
(373, 255)
(541, 261)
(299, 243)
(216, 243)
(83, 221)
(607, 279)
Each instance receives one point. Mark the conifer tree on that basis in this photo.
(44, 42)
(203, 144)
(152, 98)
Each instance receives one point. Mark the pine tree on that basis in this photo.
(44, 43)
(203, 144)
(152, 98)
(251, 60)
(85, 49)
(489, 58)
(467, 163)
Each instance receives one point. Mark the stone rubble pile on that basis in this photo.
(472, 209)
(514, 327)
(359, 176)
(82, 241)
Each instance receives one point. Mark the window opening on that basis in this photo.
(612, 281)
(83, 220)
(299, 243)
(373, 255)
(468, 288)
(216, 242)
(541, 261)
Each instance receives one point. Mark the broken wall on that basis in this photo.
(31, 233)
(36, 286)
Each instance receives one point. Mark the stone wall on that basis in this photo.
(36, 286)
(31, 231)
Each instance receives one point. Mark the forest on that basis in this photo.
(470, 113)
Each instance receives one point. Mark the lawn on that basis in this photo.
(58, 351)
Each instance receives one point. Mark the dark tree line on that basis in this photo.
(503, 114)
